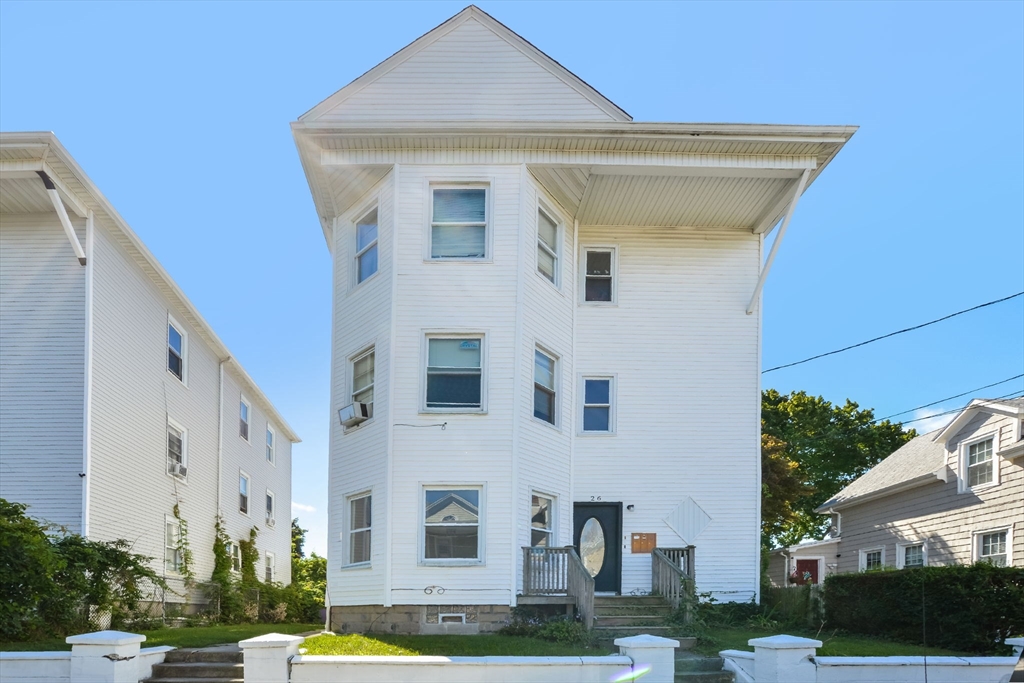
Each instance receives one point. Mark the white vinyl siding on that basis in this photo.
(360, 509)
(458, 223)
(366, 246)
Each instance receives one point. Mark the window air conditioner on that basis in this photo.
(177, 469)
(270, 522)
(353, 414)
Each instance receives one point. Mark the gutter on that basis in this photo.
(920, 480)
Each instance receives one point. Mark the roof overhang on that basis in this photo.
(920, 480)
(965, 416)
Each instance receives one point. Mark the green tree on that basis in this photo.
(309, 579)
(828, 446)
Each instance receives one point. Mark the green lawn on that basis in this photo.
(201, 636)
(449, 646)
(832, 645)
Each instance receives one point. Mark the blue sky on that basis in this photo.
(180, 112)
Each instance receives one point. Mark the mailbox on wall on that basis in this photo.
(644, 543)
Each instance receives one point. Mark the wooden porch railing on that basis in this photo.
(559, 571)
(672, 576)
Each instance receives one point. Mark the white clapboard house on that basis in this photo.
(122, 415)
(546, 343)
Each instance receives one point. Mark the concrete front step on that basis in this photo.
(225, 654)
(688, 661)
(704, 677)
(198, 671)
(629, 620)
(662, 611)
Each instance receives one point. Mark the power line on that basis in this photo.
(893, 334)
(958, 410)
(950, 398)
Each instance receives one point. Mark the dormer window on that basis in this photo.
(458, 223)
(980, 464)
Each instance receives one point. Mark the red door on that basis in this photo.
(805, 567)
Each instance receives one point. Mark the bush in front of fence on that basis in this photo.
(957, 607)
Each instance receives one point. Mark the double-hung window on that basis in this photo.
(243, 492)
(543, 386)
(454, 374)
(980, 469)
(176, 343)
(243, 419)
(872, 559)
(359, 528)
(270, 567)
(547, 247)
(271, 445)
(176, 453)
(597, 404)
(271, 508)
(236, 556)
(992, 548)
(542, 527)
(172, 545)
(599, 275)
(363, 369)
(911, 555)
(366, 246)
(458, 223)
(451, 524)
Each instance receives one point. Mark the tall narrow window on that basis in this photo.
(993, 548)
(366, 246)
(243, 419)
(458, 225)
(172, 545)
(454, 373)
(175, 351)
(271, 445)
(176, 450)
(236, 557)
(359, 523)
(597, 404)
(547, 246)
(452, 524)
(542, 527)
(599, 278)
(979, 463)
(271, 511)
(269, 570)
(363, 370)
(243, 493)
(543, 386)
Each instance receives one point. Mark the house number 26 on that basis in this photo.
(593, 498)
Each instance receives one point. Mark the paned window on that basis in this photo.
(599, 279)
(872, 560)
(454, 373)
(175, 451)
(172, 545)
(542, 528)
(451, 524)
(366, 246)
(243, 493)
(543, 386)
(271, 445)
(236, 556)
(547, 247)
(359, 523)
(993, 548)
(597, 405)
(363, 370)
(243, 419)
(175, 351)
(979, 463)
(913, 555)
(458, 224)
(271, 511)
(269, 569)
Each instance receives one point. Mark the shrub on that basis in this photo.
(524, 621)
(565, 631)
(964, 607)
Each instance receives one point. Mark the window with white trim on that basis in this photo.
(547, 246)
(454, 373)
(458, 223)
(363, 372)
(597, 404)
(912, 555)
(243, 418)
(271, 508)
(366, 245)
(451, 524)
(236, 556)
(177, 450)
(243, 492)
(544, 386)
(360, 509)
(980, 463)
(271, 445)
(177, 344)
(992, 548)
(599, 275)
(872, 558)
(542, 521)
(172, 545)
(270, 567)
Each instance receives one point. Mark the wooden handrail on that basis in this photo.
(559, 571)
(672, 576)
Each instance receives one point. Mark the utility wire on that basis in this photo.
(893, 334)
(957, 410)
(950, 398)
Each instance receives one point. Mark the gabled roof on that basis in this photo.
(919, 461)
(1004, 406)
(425, 68)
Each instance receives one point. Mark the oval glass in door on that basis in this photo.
(592, 546)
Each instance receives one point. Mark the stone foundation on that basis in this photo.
(419, 619)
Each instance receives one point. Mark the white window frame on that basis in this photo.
(964, 455)
(614, 250)
(171, 424)
(364, 211)
(175, 522)
(248, 494)
(555, 253)
(243, 401)
(352, 360)
(553, 513)
(235, 551)
(180, 329)
(485, 184)
(862, 559)
(901, 553)
(555, 388)
(481, 336)
(271, 445)
(976, 538)
(612, 386)
(480, 527)
(273, 507)
(269, 562)
(348, 531)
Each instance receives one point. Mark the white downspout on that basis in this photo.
(87, 412)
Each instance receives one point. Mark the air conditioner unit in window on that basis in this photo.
(177, 469)
(351, 415)
(270, 522)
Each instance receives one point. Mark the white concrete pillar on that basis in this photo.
(784, 659)
(267, 657)
(650, 651)
(1018, 645)
(105, 657)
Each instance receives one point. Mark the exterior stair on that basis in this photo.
(221, 664)
(627, 615)
(692, 668)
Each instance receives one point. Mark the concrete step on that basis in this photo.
(612, 632)
(692, 662)
(705, 677)
(198, 671)
(626, 609)
(619, 599)
(629, 620)
(229, 654)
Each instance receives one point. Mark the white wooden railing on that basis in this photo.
(672, 575)
(559, 571)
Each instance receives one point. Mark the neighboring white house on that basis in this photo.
(546, 329)
(118, 403)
